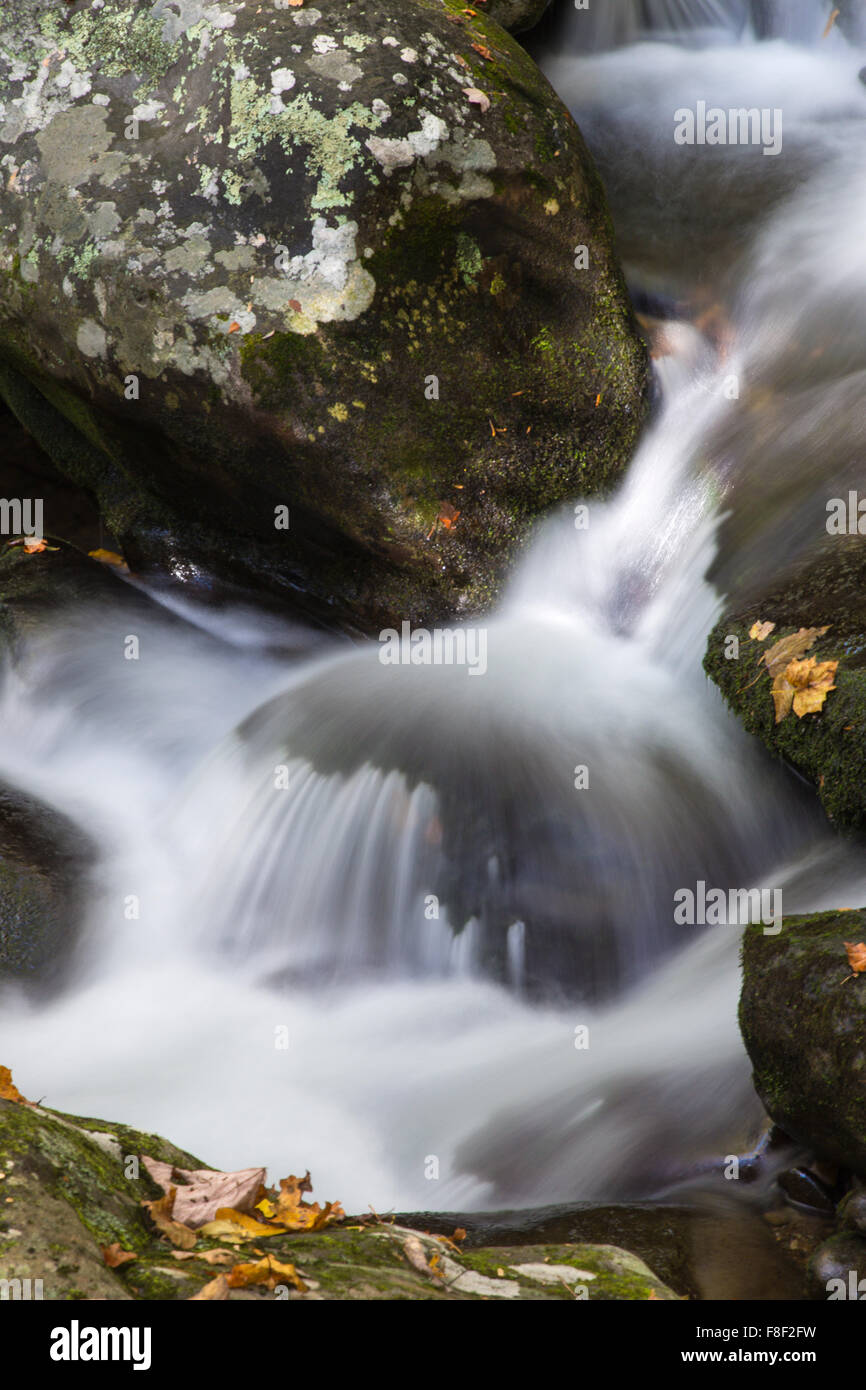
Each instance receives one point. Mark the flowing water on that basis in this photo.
(375, 914)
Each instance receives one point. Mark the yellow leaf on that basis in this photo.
(229, 1224)
(8, 1089)
(109, 557)
(803, 686)
(759, 632)
(267, 1271)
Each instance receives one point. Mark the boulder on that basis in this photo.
(802, 1022)
(827, 747)
(297, 291)
(74, 1191)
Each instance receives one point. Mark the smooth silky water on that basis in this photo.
(307, 908)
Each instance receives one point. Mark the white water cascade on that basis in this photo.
(393, 863)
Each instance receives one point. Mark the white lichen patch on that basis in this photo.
(90, 338)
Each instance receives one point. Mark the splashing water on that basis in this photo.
(392, 867)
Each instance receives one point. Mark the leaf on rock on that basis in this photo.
(114, 1255)
(759, 632)
(296, 1214)
(803, 686)
(161, 1216)
(478, 98)
(229, 1224)
(791, 648)
(110, 557)
(8, 1089)
(210, 1257)
(201, 1192)
(267, 1271)
(484, 51)
(856, 956)
(216, 1291)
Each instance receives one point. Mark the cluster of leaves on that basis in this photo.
(236, 1208)
(799, 684)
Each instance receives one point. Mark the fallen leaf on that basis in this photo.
(161, 1216)
(267, 1271)
(485, 52)
(447, 515)
(201, 1192)
(834, 15)
(459, 1234)
(114, 1256)
(415, 1253)
(216, 1291)
(210, 1257)
(8, 1089)
(760, 631)
(856, 956)
(791, 648)
(234, 327)
(803, 686)
(110, 557)
(295, 304)
(229, 1224)
(297, 1215)
(478, 98)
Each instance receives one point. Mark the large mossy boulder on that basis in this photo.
(827, 747)
(803, 1020)
(74, 1191)
(265, 257)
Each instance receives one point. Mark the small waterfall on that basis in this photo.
(599, 27)
(438, 885)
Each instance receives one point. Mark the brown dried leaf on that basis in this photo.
(201, 1192)
(777, 657)
(216, 1291)
(759, 632)
(856, 956)
(114, 1255)
(161, 1216)
(210, 1257)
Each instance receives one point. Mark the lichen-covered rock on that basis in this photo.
(828, 747)
(74, 1189)
(515, 15)
(258, 257)
(804, 1032)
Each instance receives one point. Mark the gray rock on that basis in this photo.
(284, 223)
